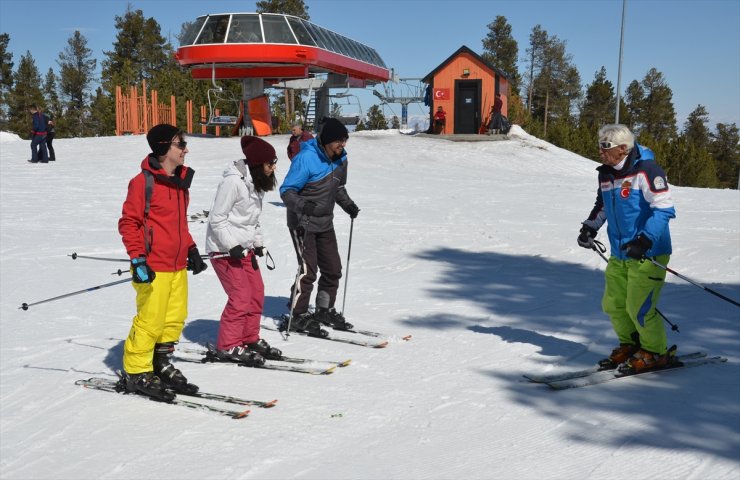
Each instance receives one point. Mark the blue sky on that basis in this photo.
(695, 44)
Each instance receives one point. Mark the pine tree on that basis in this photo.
(25, 93)
(695, 128)
(52, 101)
(500, 49)
(634, 99)
(725, 149)
(6, 78)
(535, 52)
(77, 70)
(288, 7)
(599, 103)
(375, 119)
(658, 117)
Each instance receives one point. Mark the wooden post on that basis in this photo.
(218, 129)
(173, 110)
(134, 109)
(189, 116)
(203, 119)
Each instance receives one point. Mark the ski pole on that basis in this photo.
(300, 247)
(97, 287)
(696, 284)
(600, 249)
(75, 257)
(346, 270)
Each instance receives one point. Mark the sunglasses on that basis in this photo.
(607, 145)
(181, 144)
(272, 162)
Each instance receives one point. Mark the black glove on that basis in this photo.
(308, 208)
(352, 210)
(586, 238)
(195, 263)
(237, 252)
(141, 272)
(638, 247)
(259, 251)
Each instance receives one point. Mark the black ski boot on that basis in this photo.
(306, 322)
(171, 377)
(264, 349)
(332, 318)
(147, 384)
(238, 354)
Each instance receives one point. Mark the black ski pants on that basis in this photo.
(316, 252)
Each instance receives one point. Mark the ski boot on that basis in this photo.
(263, 348)
(171, 377)
(239, 354)
(618, 356)
(305, 322)
(147, 384)
(332, 318)
(644, 361)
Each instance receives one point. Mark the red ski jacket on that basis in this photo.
(166, 225)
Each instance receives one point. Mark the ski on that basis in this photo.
(361, 343)
(609, 375)
(106, 385)
(267, 366)
(369, 333)
(340, 364)
(557, 377)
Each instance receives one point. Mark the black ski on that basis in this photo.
(106, 385)
(609, 375)
(209, 357)
(340, 364)
(556, 377)
(351, 341)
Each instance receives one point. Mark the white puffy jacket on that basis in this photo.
(234, 216)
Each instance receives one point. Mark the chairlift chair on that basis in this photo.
(215, 96)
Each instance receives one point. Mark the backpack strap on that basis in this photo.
(148, 189)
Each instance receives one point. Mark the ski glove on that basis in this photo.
(259, 251)
(237, 252)
(142, 273)
(586, 238)
(638, 247)
(308, 208)
(195, 262)
(352, 210)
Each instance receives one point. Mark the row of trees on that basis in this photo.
(547, 99)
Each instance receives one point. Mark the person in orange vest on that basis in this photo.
(440, 118)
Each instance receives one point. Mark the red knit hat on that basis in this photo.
(257, 151)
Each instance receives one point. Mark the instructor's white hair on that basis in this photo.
(617, 133)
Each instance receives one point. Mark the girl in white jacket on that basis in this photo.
(234, 229)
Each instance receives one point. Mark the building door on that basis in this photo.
(467, 106)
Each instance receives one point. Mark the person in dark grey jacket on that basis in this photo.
(315, 182)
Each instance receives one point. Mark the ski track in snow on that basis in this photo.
(469, 247)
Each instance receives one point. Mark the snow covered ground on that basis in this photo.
(469, 247)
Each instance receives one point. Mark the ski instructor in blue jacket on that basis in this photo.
(635, 201)
(315, 182)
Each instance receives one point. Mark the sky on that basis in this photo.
(695, 44)
(470, 247)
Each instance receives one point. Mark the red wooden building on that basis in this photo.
(465, 85)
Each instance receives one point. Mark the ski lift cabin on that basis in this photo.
(264, 49)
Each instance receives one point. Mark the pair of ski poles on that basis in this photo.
(599, 248)
(298, 276)
(74, 256)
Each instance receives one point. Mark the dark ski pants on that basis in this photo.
(316, 252)
(38, 142)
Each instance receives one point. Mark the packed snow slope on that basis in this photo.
(469, 247)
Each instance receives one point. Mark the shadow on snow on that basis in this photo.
(534, 300)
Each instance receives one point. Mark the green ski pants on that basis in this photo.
(630, 297)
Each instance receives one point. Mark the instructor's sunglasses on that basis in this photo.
(181, 144)
(607, 145)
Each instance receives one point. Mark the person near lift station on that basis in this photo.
(315, 182)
